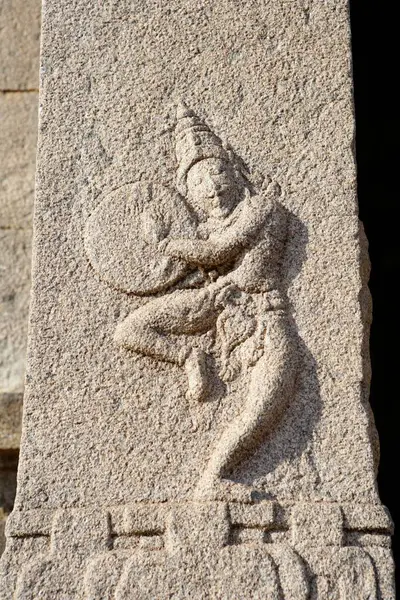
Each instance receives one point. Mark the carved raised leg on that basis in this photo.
(159, 328)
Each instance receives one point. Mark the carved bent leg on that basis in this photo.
(160, 328)
(270, 390)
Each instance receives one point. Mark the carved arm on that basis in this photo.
(222, 247)
(206, 253)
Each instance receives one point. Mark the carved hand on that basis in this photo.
(178, 248)
(153, 227)
(162, 246)
(193, 251)
(226, 295)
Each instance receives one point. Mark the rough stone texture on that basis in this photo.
(3, 518)
(19, 44)
(15, 248)
(8, 483)
(238, 461)
(19, 72)
(18, 134)
(18, 137)
(10, 432)
(10, 421)
(17, 156)
(17, 177)
(15, 252)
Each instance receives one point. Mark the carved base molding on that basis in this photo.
(200, 550)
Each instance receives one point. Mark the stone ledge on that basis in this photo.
(149, 517)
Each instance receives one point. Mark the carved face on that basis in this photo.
(212, 187)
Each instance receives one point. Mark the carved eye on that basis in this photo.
(218, 171)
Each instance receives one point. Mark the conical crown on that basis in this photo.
(194, 142)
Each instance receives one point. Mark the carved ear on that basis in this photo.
(273, 190)
(237, 162)
(269, 187)
(240, 168)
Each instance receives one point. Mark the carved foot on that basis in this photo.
(222, 490)
(195, 366)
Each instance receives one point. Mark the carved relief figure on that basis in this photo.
(232, 249)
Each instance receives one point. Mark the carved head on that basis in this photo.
(212, 187)
(205, 173)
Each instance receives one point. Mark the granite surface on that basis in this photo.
(196, 420)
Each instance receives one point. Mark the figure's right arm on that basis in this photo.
(197, 252)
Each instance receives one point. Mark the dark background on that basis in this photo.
(376, 67)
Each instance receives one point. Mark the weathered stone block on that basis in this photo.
(19, 44)
(15, 261)
(317, 525)
(10, 421)
(18, 135)
(17, 179)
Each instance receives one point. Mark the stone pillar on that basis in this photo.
(19, 73)
(196, 417)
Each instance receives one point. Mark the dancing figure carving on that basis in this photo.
(219, 252)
